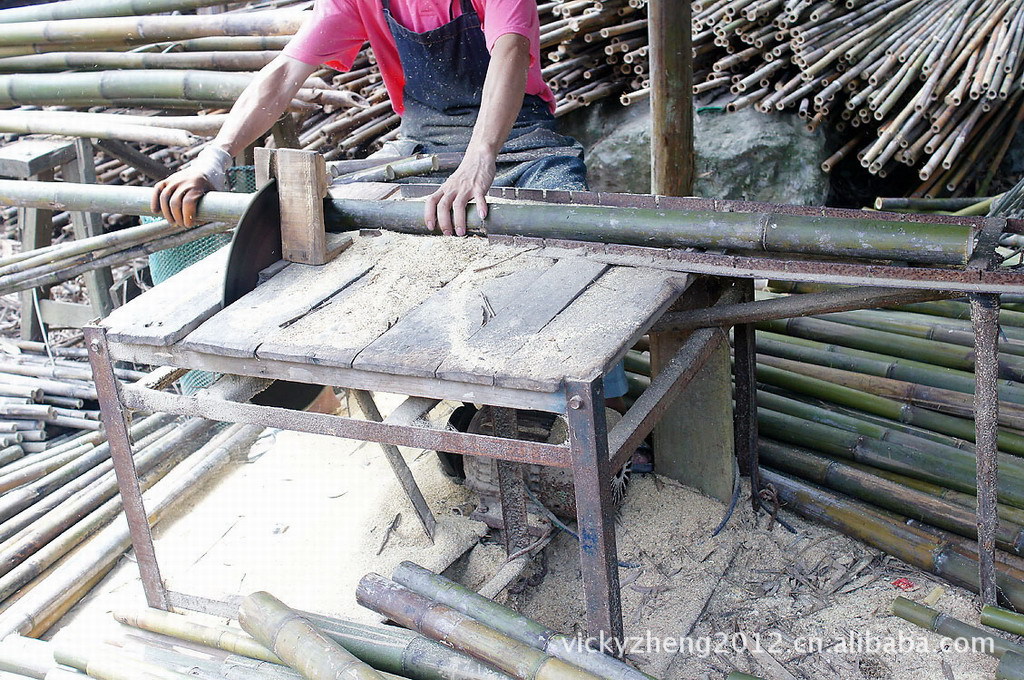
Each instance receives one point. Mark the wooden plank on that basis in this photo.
(27, 157)
(166, 313)
(98, 282)
(289, 295)
(155, 170)
(36, 232)
(540, 301)
(407, 271)
(304, 371)
(302, 182)
(592, 333)
(58, 314)
(441, 326)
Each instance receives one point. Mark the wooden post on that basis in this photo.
(694, 441)
(302, 184)
(671, 65)
(98, 282)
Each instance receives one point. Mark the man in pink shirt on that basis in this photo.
(464, 75)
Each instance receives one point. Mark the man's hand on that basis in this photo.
(177, 197)
(501, 101)
(446, 207)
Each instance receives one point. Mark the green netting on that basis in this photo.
(166, 263)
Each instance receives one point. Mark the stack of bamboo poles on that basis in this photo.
(482, 640)
(61, 525)
(935, 85)
(45, 392)
(866, 425)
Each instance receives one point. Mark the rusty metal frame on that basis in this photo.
(587, 452)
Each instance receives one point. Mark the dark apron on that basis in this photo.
(445, 69)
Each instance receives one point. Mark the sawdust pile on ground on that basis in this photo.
(813, 588)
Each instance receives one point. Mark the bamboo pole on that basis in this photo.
(99, 553)
(151, 29)
(508, 622)
(132, 133)
(462, 632)
(890, 534)
(296, 641)
(236, 60)
(876, 239)
(81, 9)
(937, 622)
(883, 493)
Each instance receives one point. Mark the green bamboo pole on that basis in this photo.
(883, 493)
(966, 500)
(144, 134)
(1003, 619)
(880, 364)
(882, 406)
(216, 206)
(184, 628)
(955, 309)
(508, 622)
(934, 398)
(462, 632)
(105, 86)
(105, 663)
(876, 428)
(889, 533)
(771, 232)
(1011, 667)
(242, 60)
(123, 238)
(297, 642)
(83, 9)
(404, 652)
(938, 353)
(899, 325)
(955, 472)
(662, 228)
(736, 675)
(937, 622)
(151, 29)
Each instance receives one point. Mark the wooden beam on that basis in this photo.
(671, 64)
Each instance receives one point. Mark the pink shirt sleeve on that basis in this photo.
(333, 35)
(510, 16)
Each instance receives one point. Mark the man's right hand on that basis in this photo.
(177, 197)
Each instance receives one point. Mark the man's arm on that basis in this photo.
(257, 109)
(504, 88)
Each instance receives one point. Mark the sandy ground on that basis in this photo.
(305, 516)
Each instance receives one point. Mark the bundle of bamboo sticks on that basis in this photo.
(866, 424)
(482, 640)
(935, 85)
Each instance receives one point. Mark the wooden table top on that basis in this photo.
(444, 308)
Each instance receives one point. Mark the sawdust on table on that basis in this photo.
(791, 592)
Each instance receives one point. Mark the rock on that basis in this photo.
(745, 155)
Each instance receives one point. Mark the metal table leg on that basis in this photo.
(595, 510)
(116, 426)
(511, 486)
(985, 317)
(745, 391)
(366, 404)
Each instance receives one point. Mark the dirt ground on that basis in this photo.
(306, 516)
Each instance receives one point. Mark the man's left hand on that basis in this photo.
(446, 207)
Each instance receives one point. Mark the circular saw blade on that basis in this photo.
(255, 246)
